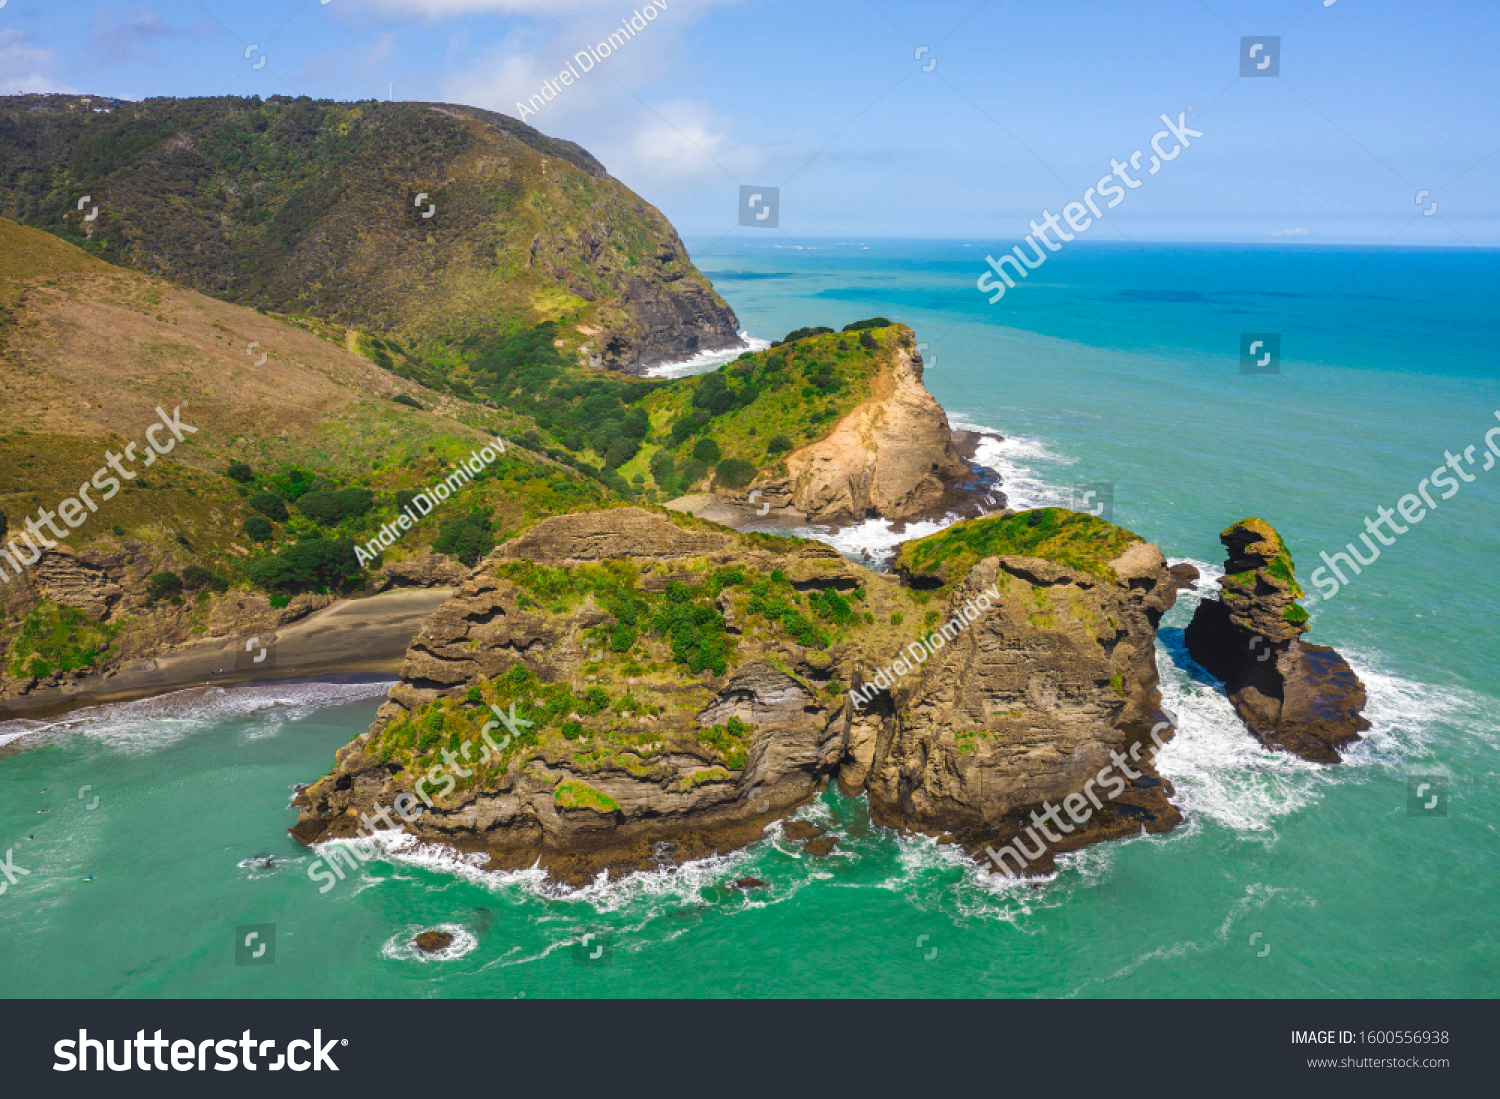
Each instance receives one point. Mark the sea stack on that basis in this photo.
(1292, 695)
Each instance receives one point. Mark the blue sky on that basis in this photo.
(1023, 109)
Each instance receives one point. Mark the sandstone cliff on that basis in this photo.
(892, 456)
(1292, 695)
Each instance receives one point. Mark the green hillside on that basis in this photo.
(309, 207)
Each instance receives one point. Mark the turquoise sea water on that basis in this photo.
(1110, 364)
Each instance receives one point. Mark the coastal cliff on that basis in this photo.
(664, 688)
(891, 456)
(1292, 695)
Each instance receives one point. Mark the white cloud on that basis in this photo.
(118, 37)
(608, 109)
(1289, 232)
(24, 67)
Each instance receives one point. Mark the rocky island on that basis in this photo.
(673, 687)
(1292, 695)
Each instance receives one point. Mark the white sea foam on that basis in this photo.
(1221, 771)
(679, 883)
(150, 723)
(705, 361)
(1017, 458)
(873, 542)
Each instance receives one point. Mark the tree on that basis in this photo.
(687, 426)
(258, 528)
(164, 585)
(196, 578)
(867, 341)
(709, 389)
(321, 507)
(239, 471)
(802, 334)
(4, 525)
(468, 538)
(354, 502)
(779, 445)
(311, 563)
(706, 451)
(621, 451)
(873, 322)
(637, 424)
(735, 472)
(270, 505)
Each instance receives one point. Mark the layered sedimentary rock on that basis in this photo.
(661, 688)
(892, 456)
(1038, 700)
(1292, 695)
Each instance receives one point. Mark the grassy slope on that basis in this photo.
(306, 207)
(1068, 538)
(92, 350)
(793, 393)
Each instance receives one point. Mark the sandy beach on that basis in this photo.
(350, 636)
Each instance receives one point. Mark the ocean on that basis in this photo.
(1112, 368)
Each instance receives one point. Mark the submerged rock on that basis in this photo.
(1294, 696)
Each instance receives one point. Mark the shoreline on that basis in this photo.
(352, 637)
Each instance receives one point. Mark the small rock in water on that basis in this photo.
(799, 830)
(430, 942)
(748, 883)
(1184, 575)
(820, 846)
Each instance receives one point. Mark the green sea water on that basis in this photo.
(1120, 367)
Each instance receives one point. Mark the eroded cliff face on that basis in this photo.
(680, 686)
(892, 456)
(613, 756)
(1026, 706)
(1295, 696)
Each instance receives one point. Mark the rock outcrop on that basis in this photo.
(892, 456)
(1292, 695)
(662, 689)
(1032, 702)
